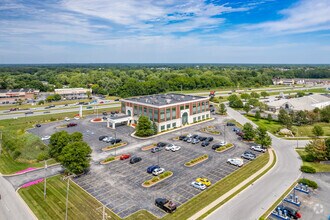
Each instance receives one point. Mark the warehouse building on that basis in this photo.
(168, 111)
(73, 93)
(9, 96)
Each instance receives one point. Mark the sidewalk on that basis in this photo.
(239, 186)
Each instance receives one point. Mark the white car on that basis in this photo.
(222, 143)
(169, 147)
(189, 135)
(198, 185)
(235, 161)
(158, 171)
(258, 148)
(45, 138)
(106, 139)
(77, 117)
(175, 148)
(66, 119)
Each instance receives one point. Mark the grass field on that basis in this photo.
(317, 166)
(303, 131)
(83, 206)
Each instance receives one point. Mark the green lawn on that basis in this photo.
(83, 206)
(317, 166)
(303, 131)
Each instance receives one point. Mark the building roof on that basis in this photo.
(165, 99)
(303, 103)
(18, 90)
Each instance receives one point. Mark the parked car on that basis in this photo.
(115, 141)
(258, 148)
(190, 140)
(38, 125)
(222, 143)
(76, 117)
(236, 130)
(241, 134)
(182, 137)
(248, 156)
(161, 144)
(124, 156)
(66, 119)
(230, 124)
(195, 141)
(209, 139)
(169, 147)
(104, 113)
(71, 125)
(189, 135)
(186, 139)
(195, 136)
(198, 185)
(116, 100)
(204, 181)
(216, 146)
(202, 138)
(45, 138)
(156, 149)
(102, 137)
(165, 204)
(152, 168)
(175, 148)
(158, 171)
(205, 143)
(135, 159)
(235, 161)
(107, 139)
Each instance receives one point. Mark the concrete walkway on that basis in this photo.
(235, 189)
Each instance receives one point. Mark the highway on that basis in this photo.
(251, 203)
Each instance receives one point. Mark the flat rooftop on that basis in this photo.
(165, 99)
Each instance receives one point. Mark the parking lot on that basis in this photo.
(118, 185)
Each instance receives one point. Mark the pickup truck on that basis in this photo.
(165, 204)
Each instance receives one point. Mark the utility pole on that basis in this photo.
(67, 197)
(45, 180)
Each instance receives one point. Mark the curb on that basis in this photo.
(25, 204)
(37, 169)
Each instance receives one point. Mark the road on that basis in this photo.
(54, 111)
(251, 203)
(11, 206)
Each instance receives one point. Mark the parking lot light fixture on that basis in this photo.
(224, 132)
(67, 196)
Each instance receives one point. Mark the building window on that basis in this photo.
(194, 108)
(123, 108)
(207, 116)
(135, 110)
(155, 114)
(203, 107)
(181, 107)
(140, 110)
(199, 107)
(150, 114)
(162, 128)
(168, 114)
(173, 112)
(145, 111)
(162, 115)
(199, 118)
(174, 125)
(168, 126)
(194, 119)
(187, 106)
(207, 105)
(203, 117)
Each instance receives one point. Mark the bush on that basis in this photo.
(308, 158)
(42, 156)
(309, 183)
(307, 169)
(109, 159)
(16, 154)
(52, 119)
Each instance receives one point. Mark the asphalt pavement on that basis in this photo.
(255, 200)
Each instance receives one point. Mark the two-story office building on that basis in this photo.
(167, 110)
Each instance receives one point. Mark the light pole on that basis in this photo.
(45, 180)
(224, 132)
(67, 197)
(297, 132)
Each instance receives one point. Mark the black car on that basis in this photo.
(230, 124)
(38, 125)
(209, 139)
(28, 113)
(215, 146)
(105, 118)
(104, 113)
(205, 143)
(156, 149)
(182, 137)
(102, 137)
(135, 159)
(195, 136)
(116, 100)
(115, 141)
(202, 138)
(161, 144)
(185, 139)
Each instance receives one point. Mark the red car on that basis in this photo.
(71, 125)
(125, 156)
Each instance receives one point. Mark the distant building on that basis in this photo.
(73, 93)
(168, 110)
(279, 81)
(300, 81)
(309, 102)
(13, 95)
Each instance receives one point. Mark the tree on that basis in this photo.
(269, 118)
(327, 144)
(75, 157)
(300, 118)
(257, 115)
(264, 94)
(155, 128)
(248, 131)
(255, 95)
(300, 94)
(57, 97)
(245, 96)
(284, 118)
(317, 149)
(254, 102)
(247, 108)
(262, 137)
(222, 109)
(144, 127)
(61, 139)
(88, 93)
(235, 102)
(318, 130)
(325, 114)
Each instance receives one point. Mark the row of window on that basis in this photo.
(168, 126)
(195, 119)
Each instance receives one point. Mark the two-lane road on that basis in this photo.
(251, 203)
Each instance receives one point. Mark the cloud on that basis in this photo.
(305, 16)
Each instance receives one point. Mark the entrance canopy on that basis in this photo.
(118, 119)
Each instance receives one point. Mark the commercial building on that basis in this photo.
(73, 93)
(309, 103)
(13, 95)
(167, 111)
(300, 81)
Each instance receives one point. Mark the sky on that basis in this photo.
(165, 31)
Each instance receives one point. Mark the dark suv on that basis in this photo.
(161, 144)
(135, 159)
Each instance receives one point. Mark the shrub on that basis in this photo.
(307, 169)
(309, 183)
(16, 154)
(52, 119)
(109, 159)
(42, 156)
(308, 158)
